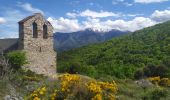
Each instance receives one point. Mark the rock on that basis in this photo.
(144, 83)
(8, 97)
(12, 95)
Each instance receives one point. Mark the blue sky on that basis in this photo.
(75, 15)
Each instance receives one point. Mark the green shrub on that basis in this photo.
(89, 70)
(149, 70)
(152, 71)
(167, 62)
(165, 82)
(17, 59)
(70, 67)
(74, 68)
(138, 74)
(157, 94)
(63, 68)
(162, 71)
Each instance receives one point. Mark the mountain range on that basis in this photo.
(67, 41)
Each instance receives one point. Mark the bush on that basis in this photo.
(72, 68)
(156, 94)
(154, 80)
(149, 70)
(152, 71)
(89, 70)
(165, 82)
(161, 71)
(75, 87)
(160, 81)
(63, 68)
(5, 70)
(167, 62)
(159, 93)
(17, 59)
(139, 74)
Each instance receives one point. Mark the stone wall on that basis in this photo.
(40, 53)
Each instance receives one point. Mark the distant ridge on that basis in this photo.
(67, 41)
(8, 44)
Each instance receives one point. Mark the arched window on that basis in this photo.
(34, 30)
(45, 33)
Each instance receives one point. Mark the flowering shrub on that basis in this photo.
(97, 97)
(94, 87)
(67, 81)
(160, 81)
(165, 82)
(101, 90)
(154, 80)
(73, 87)
(38, 94)
(54, 95)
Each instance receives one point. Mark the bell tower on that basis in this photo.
(36, 39)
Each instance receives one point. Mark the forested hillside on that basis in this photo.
(122, 56)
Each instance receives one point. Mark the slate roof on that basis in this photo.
(7, 45)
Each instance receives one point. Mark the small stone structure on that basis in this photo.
(36, 39)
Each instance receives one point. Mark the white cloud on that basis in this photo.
(65, 25)
(2, 20)
(94, 14)
(95, 24)
(149, 1)
(128, 4)
(91, 19)
(10, 28)
(28, 7)
(135, 24)
(11, 16)
(119, 0)
(74, 2)
(71, 15)
(70, 25)
(132, 15)
(123, 2)
(161, 16)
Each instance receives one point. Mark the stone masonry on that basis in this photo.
(36, 39)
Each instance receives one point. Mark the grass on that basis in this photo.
(3, 89)
(127, 88)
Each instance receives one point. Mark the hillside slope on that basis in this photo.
(122, 56)
(67, 41)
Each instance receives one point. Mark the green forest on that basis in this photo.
(128, 56)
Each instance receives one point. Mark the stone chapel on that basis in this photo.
(36, 39)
